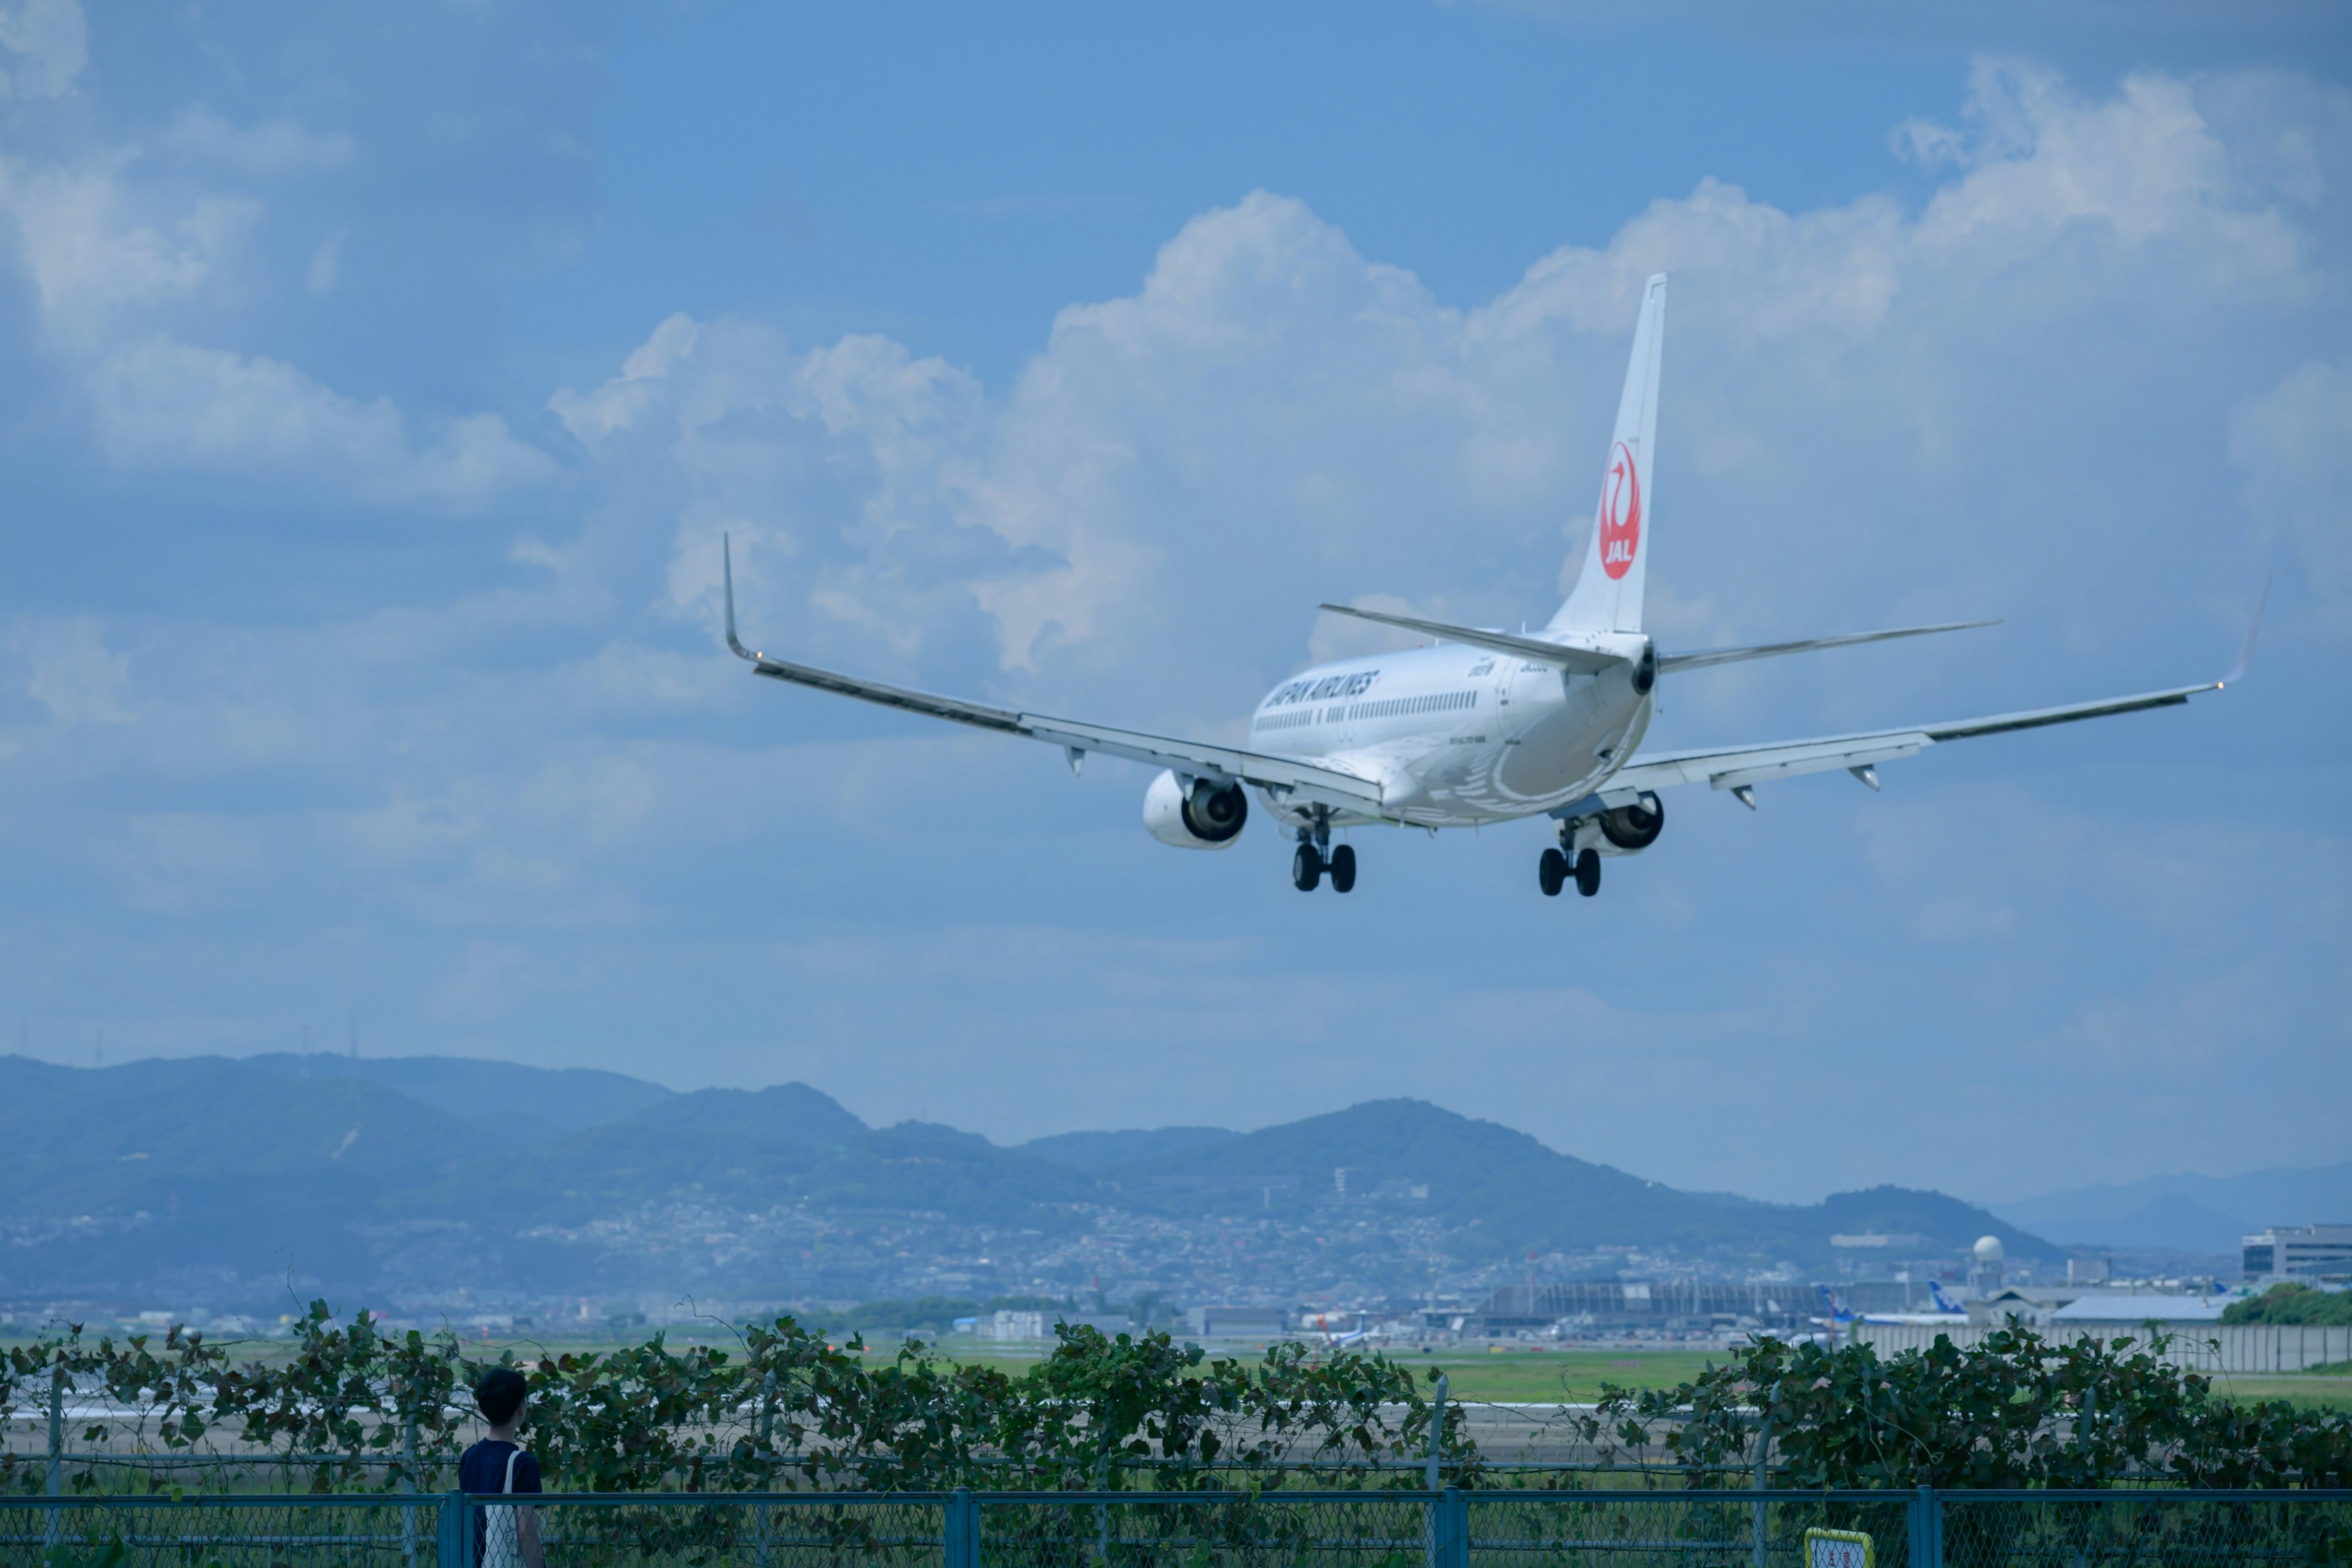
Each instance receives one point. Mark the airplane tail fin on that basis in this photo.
(1608, 593)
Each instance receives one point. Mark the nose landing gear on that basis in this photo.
(1315, 855)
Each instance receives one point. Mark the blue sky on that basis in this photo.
(378, 385)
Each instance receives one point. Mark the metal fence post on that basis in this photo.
(408, 1515)
(1763, 1480)
(1927, 1530)
(1431, 1475)
(1450, 1541)
(1436, 1429)
(53, 1531)
(456, 1534)
(962, 1542)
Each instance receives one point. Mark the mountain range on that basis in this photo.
(220, 1178)
(2205, 1215)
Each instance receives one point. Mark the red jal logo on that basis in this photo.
(1621, 514)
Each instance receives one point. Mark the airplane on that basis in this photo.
(1944, 1315)
(1838, 1312)
(1485, 726)
(1335, 1337)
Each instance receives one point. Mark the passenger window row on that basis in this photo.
(1387, 708)
(1438, 702)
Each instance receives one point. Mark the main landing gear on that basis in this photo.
(1315, 855)
(1553, 872)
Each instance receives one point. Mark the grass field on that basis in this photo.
(1575, 1377)
(1510, 1376)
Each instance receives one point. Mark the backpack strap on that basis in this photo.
(511, 1465)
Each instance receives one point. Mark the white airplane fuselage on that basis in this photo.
(1457, 737)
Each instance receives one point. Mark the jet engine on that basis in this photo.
(1636, 825)
(1195, 814)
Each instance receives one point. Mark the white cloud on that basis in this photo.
(619, 403)
(2295, 444)
(107, 257)
(172, 404)
(90, 256)
(326, 262)
(276, 149)
(1272, 419)
(45, 46)
(73, 673)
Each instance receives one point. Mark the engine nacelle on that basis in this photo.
(1195, 814)
(1634, 827)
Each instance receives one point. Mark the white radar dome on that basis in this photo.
(1988, 1249)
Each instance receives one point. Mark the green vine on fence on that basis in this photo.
(350, 1405)
(2016, 1410)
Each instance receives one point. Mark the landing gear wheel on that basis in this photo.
(1343, 868)
(1306, 868)
(1588, 872)
(1553, 872)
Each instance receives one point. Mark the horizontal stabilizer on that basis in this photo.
(1584, 661)
(1705, 656)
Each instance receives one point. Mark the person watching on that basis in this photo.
(506, 1535)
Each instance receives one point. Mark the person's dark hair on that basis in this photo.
(499, 1394)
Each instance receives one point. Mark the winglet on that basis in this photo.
(2253, 629)
(727, 574)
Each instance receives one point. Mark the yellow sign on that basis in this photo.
(1839, 1549)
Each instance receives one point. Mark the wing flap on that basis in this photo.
(1736, 767)
(1281, 774)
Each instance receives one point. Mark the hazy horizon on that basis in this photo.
(1667, 1178)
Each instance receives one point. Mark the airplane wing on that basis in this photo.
(1282, 775)
(1740, 768)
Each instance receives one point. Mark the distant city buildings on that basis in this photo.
(2304, 1252)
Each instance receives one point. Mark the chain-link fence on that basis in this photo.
(2077, 1529)
(1236, 1529)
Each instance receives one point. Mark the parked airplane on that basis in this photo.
(1485, 726)
(1838, 1312)
(1944, 1315)
(1334, 1337)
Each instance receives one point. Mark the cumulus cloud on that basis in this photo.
(117, 263)
(1274, 418)
(90, 255)
(172, 404)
